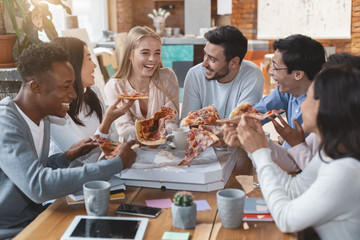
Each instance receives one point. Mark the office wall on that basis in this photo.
(244, 17)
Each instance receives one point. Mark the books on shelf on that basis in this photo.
(255, 209)
(117, 191)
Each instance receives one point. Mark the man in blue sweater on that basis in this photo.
(28, 176)
(297, 59)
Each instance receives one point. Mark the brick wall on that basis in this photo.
(140, 10)
(244, 17)
(132, 13)
(124, 13)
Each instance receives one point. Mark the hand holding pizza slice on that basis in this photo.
(109, 147)
(152, 131)
(198, 141)
(206, 115)
(247, 108)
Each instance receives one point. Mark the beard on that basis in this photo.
(218, 75)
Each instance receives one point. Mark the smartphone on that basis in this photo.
(138, 210)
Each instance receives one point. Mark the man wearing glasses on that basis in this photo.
(297, 59)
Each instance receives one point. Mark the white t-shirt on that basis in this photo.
(37, 132)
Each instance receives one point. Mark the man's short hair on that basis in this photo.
(38, 59)
(231, 39)
(303, 53)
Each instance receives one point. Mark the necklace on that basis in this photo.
(140, 90)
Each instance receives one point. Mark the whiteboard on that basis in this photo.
(320, 19)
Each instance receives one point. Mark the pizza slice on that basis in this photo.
(133, 95)
(198, 141)
(235, 114)
(152, 131)
(206, 115)
(109, 147)
(243, 108)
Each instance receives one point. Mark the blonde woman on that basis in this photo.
(142, 70)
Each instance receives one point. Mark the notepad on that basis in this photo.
(258, 217)
(255, 209)
(255, 205)
(175, 236)
(116, 194)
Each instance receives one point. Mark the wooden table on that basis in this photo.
(53, 222)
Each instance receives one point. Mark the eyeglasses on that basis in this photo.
(278, 69)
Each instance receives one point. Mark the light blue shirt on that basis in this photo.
(289, 103)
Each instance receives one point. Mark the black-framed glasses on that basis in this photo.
(278, 69)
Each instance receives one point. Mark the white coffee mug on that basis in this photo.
(96, 195)
(230, 203)
(168, 31)
(177, 139)
(176, 32)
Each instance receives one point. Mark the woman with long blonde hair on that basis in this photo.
(142, 70)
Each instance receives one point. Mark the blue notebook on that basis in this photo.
(255, 205)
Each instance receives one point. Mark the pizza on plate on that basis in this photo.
(133, 95)
(236, 113)
(198, 141)
(206, 115)
(152, 131)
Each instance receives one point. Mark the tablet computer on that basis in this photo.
(104, 228)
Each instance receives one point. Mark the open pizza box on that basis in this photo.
(156, 168)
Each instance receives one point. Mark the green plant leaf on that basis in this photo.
(22, 7)
(10, 8)
(30, 31)
(15, 51)
(59, 2)
(27, 32)
(49, 29)
(24, 44)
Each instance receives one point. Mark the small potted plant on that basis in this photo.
(183, 210)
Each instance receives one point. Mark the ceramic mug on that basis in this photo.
(177, 139)
(176, 32)
(97, 196)
(230, 203)
(168, 31)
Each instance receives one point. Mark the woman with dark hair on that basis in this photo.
(86, 114)
(326, 194)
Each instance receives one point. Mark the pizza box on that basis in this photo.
(157, 168)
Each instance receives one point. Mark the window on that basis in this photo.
(92, 15)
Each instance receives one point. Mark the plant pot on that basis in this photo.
(184, 217)
(6, 46)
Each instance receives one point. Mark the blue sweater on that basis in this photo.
(27, 180)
